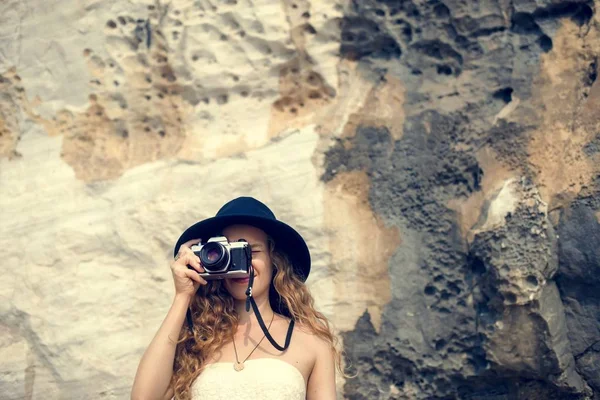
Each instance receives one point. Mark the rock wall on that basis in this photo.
(440, 157)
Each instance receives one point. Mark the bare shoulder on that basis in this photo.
(303, 331)
(304, 337)
(308, 338)
(321, 378)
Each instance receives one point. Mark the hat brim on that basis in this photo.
(287, 239)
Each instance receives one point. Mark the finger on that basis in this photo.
(191, 260)
(183, 251)
(195, 265)
(186, 262)
(180, 271)
(186, 245)
(193, 275)
(183, 269)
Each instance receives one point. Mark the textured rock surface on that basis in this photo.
(496, 157)
(440, 157)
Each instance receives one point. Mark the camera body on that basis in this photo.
(223, 259)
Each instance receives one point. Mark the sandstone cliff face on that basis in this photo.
(440, 157)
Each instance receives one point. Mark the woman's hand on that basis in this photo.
(186, 268)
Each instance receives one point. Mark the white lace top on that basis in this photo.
(261, 378)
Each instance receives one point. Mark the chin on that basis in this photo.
(238, 290)
(236, 293)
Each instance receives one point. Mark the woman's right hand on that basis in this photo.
(187, 280)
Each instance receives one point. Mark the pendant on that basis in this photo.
(238, 366)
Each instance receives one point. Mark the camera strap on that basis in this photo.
(250, 301)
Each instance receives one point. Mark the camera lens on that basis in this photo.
(214, 257)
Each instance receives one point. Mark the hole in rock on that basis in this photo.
(440, 344)
(222, 99)
(583, 15)
(477, 266)
(593, 73)
(444, 70)
(532, 280)
(429, 290)
(524, 23)
(510, 297)
(313, 79)
(453, 287)
(441, 11)
(407, 32)
(504, 94)
(545, 43)
(390, 48)
(308, 28)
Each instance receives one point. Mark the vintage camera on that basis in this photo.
(222, 259)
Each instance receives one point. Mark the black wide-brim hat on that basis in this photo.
(249, 211)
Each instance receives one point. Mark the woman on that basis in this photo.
(222, 353)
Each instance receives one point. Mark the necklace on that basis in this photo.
(238, 366)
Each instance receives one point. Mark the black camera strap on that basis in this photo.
(250, 301)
